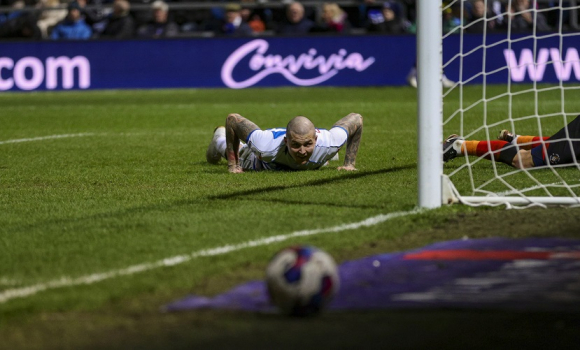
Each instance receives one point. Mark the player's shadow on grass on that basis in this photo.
(302, 202)
(343, 176)
(240, 195)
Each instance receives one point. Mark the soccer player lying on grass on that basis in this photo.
(534, 151)
(298, 147)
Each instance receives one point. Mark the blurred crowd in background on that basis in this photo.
(123, 19)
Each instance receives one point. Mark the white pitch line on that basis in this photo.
(51, 137)
(23, 292)
(46, 138)
(7, 282)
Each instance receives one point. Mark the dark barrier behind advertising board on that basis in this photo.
(275, 61)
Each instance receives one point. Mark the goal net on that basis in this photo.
(516, 68)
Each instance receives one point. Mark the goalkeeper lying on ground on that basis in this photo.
(300, 146)
(522, 151)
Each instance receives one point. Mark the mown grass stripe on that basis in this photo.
(23, 292)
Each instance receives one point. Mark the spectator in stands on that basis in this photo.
(120, 24)
(233, 24)
(16, 10)
(95, 17)
(256, 23)
(453, 18)
(479, 22)
(19, 24)
(557, 16)
(524, 18)
(387, 20)
(50, 15)
(73, 27)
(295, 22)
(498, 11)
(160, 26)
(141, 12)
(332, 20)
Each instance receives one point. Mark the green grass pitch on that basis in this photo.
(130, 186)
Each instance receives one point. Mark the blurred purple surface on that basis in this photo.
(550, 280)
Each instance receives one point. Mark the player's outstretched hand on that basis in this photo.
(235, 169)
(347, 168)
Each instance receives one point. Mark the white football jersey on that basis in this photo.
(268, 150)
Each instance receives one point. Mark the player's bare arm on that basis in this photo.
(237, 128)
(523, 160)
(353, 124)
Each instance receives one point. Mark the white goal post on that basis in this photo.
(527, 82)
(430, 113)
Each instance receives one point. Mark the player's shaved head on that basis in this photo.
(300, 139)
(300, 126)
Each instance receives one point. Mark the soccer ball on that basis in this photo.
(301, 280)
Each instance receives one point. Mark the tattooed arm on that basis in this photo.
(353, 124)
(237, 128)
